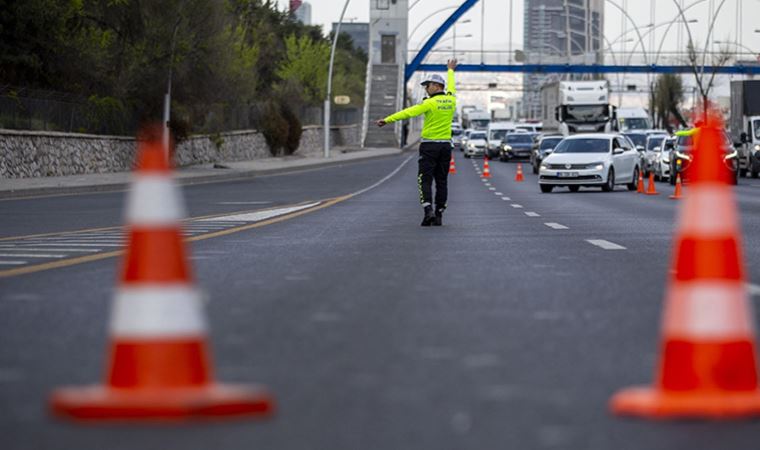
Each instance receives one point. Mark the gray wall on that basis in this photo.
(26, 154)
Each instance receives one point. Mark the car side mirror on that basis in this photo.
(743, 137)
(669, 146)
(738, 145)
(640, 148)
(617, 151)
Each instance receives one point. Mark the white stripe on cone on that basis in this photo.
(149, 311)
(709, 211)
(708, 310)
(154, 200)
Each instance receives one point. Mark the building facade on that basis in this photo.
(559, 32)
(301, 11)
(358, 31)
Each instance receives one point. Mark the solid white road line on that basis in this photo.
(515, 205)
(262, 215)
(506, 199)
(532, 214)
(32, 249)
(29, 255)
(77, 244)
(555, 225)
(607, 245)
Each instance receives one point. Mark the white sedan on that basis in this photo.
(476, 144)
(601, 160)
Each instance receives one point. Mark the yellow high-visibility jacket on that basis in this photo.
(438, 110)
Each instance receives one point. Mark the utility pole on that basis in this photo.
(329, 81)
(168, 95)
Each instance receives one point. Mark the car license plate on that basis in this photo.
(567, 174)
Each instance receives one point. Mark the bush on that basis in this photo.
(274, 127)
(294, 130)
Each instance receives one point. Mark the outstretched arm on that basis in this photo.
(450, 84)
(408, 113)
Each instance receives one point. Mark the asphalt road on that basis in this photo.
(505, 328)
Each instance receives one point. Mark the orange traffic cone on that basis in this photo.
(159, 365)
(651, 190)
(677, 194)
(640, 184)
(486, 168)
(707, 364)
(452, 165)
(519, 175)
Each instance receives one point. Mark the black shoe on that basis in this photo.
(429, 217)
(438, 221)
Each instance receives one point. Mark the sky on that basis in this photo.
(426, 15)
(496, 26)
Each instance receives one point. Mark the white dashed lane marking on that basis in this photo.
(29, 255)
(607, 245)
(555, 226)
(506, 199)
(492, 189)
(498, 193)
(515, 205)
(532, 214)
(753, 289)
(12, 263)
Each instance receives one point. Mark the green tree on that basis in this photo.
(305, 64)
(668, 96)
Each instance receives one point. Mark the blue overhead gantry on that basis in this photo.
(416, 63)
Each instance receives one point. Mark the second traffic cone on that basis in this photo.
(486, 169)
(707, 366)
(519, 175)
(677, 194)
(452, 165)
(159, 366)
(640, 184)
(651, 190)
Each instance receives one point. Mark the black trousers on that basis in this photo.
(433, 163)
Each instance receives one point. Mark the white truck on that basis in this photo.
(630, 119)
(745, 124)
(577, 107)
(476, 119)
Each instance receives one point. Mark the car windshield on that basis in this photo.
(589, 145)
(477, 135)
(549, 143)
(480, 123)
(498, 134)
(654, 142)
(523, 127)
(638, 139)
(636, 123)
(519, 138)
(756, 127)
(456, 131)
(684, 141)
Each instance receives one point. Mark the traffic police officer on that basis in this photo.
(435, 150)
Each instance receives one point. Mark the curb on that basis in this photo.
(222, 176)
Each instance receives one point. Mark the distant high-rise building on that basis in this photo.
(301, 10)
(559, 32)
(359, 32)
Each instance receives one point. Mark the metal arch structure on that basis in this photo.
(590, 68)
(417, 61)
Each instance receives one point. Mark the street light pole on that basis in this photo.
(329, 81)
(168, 95)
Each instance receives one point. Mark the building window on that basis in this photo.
(383, 4)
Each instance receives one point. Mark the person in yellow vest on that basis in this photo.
(435, 149)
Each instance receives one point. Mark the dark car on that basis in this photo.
(542, 147)
(682, 157)
(516, 145)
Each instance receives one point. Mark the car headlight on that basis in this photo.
(733, 154)
(506, 147)
(666, 159)
(471, 146)
(595, 166)
(545, 166)
(683, 156)
(757, 147)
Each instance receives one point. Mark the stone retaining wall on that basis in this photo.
(25, 154)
